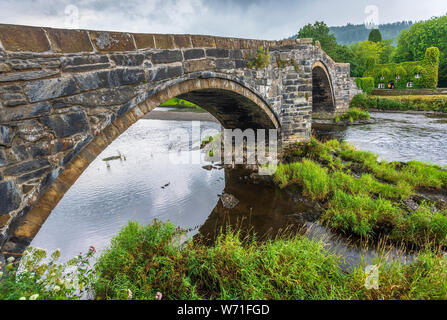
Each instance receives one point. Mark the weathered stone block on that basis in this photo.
(194, 54)
(6, 135)
(218, 53)
(144, 41)
(26, 166)
(112, 41)
(198, 65)
(25, 112)
(104, 97)
(182, 41)
(21, 38)
(32, 175)
(11, 197)
(29, 75)
(71, 41)
(128, 60)
(41, 90)
(224, 64)
(167, 56)
(203, 41)
(67, 124)
(166, 72)
(164, 41)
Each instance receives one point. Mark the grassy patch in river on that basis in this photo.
(366, 197)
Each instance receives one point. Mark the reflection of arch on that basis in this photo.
(323, 100)
(231, 103)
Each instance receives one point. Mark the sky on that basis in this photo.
(256, 19)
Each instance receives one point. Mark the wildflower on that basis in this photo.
(129, 294)
(22, 298)
(34, 297)
(158, 296)
(10, 259)
(92, 249)
(1, 274)
(56, 288)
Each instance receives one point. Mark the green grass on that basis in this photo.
(151, 259)
(403, 103)
(371, 203)
(354, 114)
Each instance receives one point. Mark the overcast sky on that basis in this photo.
(258, 19)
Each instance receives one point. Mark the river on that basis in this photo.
(146, 184)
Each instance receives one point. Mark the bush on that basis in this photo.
(365, 84)
(410, 102)
(35, 279)
(262, 59)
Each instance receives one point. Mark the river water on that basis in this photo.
(148, 183)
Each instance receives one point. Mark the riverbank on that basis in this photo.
(422, 103)
(180, 116)
(153, 263)
(402, 202)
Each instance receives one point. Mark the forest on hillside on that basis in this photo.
(352, 33)
(355, 33)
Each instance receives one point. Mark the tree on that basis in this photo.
(320, 31)
(375, 36)
(413, 43)
(366, 53)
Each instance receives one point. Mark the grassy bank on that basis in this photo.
(366, 197)
(436, 103)
(148, 260)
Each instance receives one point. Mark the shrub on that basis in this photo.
(262, 59)
(35, 279)
(365, 84)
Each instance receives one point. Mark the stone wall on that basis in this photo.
(66, 94)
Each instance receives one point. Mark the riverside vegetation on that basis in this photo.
(436, 103)
(358, 195)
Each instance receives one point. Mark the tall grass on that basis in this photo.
(372, 203)
(149, 260)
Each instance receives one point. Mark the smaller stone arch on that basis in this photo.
(323, 98)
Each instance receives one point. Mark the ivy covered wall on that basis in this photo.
(416, 74)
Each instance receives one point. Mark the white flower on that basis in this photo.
(56, 288)
(22, 298)
(34, 297)
(158, 296)
(10, 259)
(129, 294)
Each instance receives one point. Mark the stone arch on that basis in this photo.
(323, 98)
(235, 100)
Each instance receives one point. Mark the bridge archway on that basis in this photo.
(232, 104)
(323, 100)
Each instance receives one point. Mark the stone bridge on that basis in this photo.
(65, 95)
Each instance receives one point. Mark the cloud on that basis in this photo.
(259, 19)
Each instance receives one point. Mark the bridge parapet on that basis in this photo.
(65, 95)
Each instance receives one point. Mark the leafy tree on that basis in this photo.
(375, 36)
(320, 31)
(413, 43)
